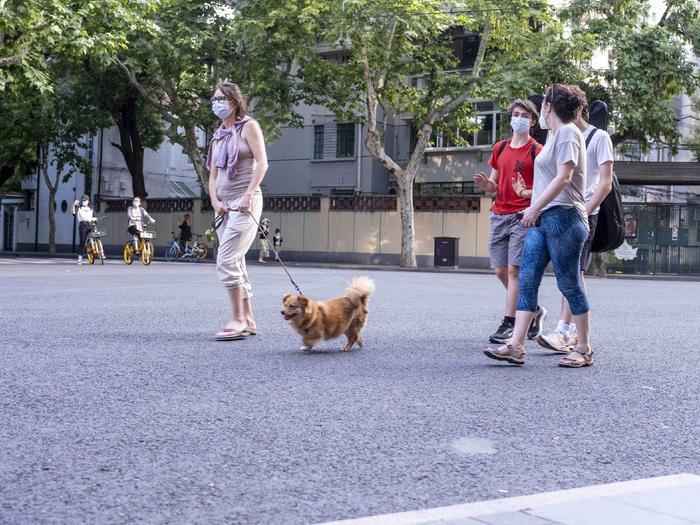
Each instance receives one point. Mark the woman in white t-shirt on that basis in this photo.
(86, 222)
(138, 218)
(558, 227)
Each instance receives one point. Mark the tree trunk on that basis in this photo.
(599, 265)
(53, 188)
(408, 226)
(131, 145)
(6, 172)
(52, 220)
(198, 161)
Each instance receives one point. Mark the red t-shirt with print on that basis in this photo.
(508, 163)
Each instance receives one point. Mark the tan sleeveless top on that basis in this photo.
(231, 189)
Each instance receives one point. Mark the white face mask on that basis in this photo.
(221, 108)
(520, 124)
(86, 203)
(543, 122)
(136, 204)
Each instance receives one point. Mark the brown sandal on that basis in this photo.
(229, 334)
(507, 353)
(571, 362)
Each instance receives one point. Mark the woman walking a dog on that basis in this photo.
(558, 227)
(237, 163)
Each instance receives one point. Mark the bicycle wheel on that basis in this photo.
(90, 251)
(100, 251)
(128, 252)
(147, 253)
(171, 253)
(203, 251)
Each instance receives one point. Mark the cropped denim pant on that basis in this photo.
(559, 238)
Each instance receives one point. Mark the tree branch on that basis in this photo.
(14, 59)
(449, 106)
(165, 112)
(374, 140)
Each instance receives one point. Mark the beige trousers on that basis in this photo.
(264, 249)
(236, 235)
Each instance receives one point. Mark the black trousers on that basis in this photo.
(84, 230)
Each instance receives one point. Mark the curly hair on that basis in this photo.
(565, 100)
(525, 105)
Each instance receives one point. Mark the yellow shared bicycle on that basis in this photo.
(93, 245)
(144, 248)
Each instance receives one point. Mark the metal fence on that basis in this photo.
(660, 239)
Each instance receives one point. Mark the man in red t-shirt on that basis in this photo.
(512, 164)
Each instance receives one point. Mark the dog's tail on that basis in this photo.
(360, 289)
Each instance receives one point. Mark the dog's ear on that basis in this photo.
(285, 297)
(303, 301)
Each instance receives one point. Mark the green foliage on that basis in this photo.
(651, 63)
(32, 33)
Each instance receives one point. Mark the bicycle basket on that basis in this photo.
(98, 234)
(148, 235)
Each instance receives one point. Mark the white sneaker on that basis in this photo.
(554, 341)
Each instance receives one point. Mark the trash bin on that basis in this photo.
(446, 251)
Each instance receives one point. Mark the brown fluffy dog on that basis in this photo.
(316, 321)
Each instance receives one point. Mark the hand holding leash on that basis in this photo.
(219, 220)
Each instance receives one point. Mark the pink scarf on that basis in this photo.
(227, 156)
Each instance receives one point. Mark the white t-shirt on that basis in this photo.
(599, 151)
(567, 145)
(85, 214)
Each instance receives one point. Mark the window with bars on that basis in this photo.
(345, 140)
(319, 133)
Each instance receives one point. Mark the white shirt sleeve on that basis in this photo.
(603, 148)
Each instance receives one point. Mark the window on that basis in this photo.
(318, 141)
(489, 122)
(345, 140)
(465, 46)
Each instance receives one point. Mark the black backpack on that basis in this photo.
(504, 143)
(610, 230)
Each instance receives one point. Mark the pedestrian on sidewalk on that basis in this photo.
(237, 163)
(512, 164)
(277, 242)
(86, 222)
(557, 225)
(264, 244)
(599, 179)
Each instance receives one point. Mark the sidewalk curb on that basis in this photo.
(375, 268)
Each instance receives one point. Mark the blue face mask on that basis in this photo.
(520, 124)
(221, 108)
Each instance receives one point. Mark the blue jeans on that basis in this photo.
(558, 238)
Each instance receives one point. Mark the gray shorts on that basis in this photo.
(506, 239)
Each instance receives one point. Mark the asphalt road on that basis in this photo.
(116, 406)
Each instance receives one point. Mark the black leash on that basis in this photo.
(219, 220)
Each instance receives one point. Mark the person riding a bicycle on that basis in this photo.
(137, 217)
(86, 222)
(185, 230)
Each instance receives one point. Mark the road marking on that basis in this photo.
(473, 445)
(482, 508)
